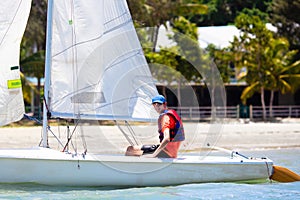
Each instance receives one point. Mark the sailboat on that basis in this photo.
(96, 70)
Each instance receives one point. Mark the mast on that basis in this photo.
(47, 72)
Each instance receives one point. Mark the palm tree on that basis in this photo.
(273, 71)
(251, 46)
(32, 48)
(33, 66)
(280, 74)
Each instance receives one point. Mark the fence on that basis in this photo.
(252, 112)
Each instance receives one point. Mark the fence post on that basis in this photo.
(238, 111)
(251, 112)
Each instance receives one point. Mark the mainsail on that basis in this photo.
(98, 69)
(13, 20)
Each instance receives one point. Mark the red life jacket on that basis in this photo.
(176, 134)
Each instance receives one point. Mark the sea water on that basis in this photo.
(288, 158)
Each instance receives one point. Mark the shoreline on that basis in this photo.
(246, 136)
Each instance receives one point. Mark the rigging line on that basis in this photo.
(48, 127)
(83, 140)
(75, 146)
(68, 133)
(74, 142)
(74, 50)
(75, 75)
(69, 139)
(46, 105)
(74, 66)
(132, 133)
(32, 119)
(125, 134)
(58, 140)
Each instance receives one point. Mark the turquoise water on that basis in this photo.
(263, 190)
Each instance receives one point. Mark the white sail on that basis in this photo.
(13, 20)
(98, 69)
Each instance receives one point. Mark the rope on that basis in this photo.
(48, 127)
(232, 153)
(126, 135)
(58, 140)
(132, 133)
(83, 141)
(47, 108)
(69, 139)
(32, 119)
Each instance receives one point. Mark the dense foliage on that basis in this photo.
(274, 56)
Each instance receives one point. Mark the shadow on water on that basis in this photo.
(251, 190)
(28, 187)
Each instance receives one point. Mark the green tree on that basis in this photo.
(285, 15)
(32, 49)
(224, 12)
(34, 36)
(154, 13)
(223, 60)
(33, 66)
(192, 59)
(266, 57)
(182, 63)
(280, 71)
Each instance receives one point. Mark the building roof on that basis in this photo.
(220, 36)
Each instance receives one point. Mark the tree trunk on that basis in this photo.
(271, 104)
(154, 37)
(179, 92)
(262, 98)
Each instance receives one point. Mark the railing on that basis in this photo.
(277, 111)
(251, 112)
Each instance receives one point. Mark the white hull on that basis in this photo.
(46, 166)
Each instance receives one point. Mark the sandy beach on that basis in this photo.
(234, 135)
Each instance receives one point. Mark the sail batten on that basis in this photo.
(98, 69)
(102, 117)
(13, 19)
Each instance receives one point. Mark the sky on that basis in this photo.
(220, 36)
